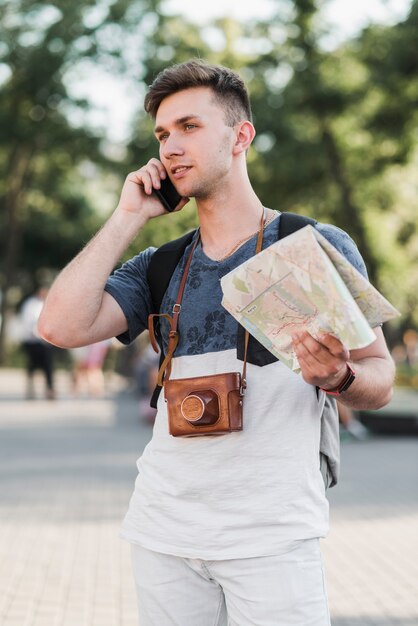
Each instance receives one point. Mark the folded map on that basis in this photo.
(303, 282)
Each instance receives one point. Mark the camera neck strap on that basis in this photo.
(173, 335)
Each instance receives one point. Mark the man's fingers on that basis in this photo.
(142, 178)
(321, 361)
(312, 353)
(160, 167)
(149, 176)
(309, 359)
(326, 343)
(335, 346)
(155, 175)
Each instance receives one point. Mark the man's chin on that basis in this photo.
(183, 190)
(196, 193)
(189, 193)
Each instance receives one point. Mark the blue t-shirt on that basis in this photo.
(204, 325)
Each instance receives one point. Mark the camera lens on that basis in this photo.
(201, 408)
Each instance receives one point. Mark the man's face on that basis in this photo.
(195, 142)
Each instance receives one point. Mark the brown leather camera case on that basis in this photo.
(227, 388)
(205, 405)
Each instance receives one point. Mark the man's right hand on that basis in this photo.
(137, 192)
(84, 278)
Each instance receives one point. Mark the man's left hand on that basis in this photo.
(323, 361)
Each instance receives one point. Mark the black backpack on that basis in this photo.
(161, 268)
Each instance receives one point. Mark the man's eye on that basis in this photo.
(189, 126)
(162, 137)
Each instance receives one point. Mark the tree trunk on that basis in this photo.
(351, 220)
(13, 201)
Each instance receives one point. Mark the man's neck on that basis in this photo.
(228, 217)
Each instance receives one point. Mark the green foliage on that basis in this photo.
(40, 149)
(336, 130)
(160, 230)
(45, 209)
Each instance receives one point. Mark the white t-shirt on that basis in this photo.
(245, 493)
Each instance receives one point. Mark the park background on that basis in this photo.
(334, 87)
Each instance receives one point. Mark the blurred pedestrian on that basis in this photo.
(88, 367)
(410, 340)
(39, 353)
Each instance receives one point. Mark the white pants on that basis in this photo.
(284, 590)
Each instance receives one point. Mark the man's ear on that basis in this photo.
(245, 133)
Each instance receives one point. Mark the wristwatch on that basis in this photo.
(344, 384)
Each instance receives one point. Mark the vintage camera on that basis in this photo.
(205, 405)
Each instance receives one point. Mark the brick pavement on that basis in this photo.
(371, 553)
(66, 474)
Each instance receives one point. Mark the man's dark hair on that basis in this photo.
(227, 86)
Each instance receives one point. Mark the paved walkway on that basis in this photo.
(66, 474)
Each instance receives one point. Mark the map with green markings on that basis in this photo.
(303, 282)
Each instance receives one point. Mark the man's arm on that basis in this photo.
(324, 364)
(78, 311)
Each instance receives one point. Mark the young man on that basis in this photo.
(223, 527)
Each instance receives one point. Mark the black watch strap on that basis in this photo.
(344, 384)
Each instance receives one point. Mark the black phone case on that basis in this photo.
(168, 195)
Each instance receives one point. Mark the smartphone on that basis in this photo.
(167, 194)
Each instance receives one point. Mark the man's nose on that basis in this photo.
(171, 147)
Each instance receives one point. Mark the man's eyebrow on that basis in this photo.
(179, 122)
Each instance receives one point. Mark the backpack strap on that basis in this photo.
(291, 222)
(162, 265)
(160, 270)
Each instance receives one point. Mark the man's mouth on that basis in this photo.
(179, 170)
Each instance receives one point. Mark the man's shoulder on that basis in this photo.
(177, 244)
(335, 235)
(140, 261)
(132, 271)
(344, 244)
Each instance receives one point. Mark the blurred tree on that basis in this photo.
(331, 127)
(303, 158)
(390, 120)
(42, 200)
(335, 129)
(324, 146)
